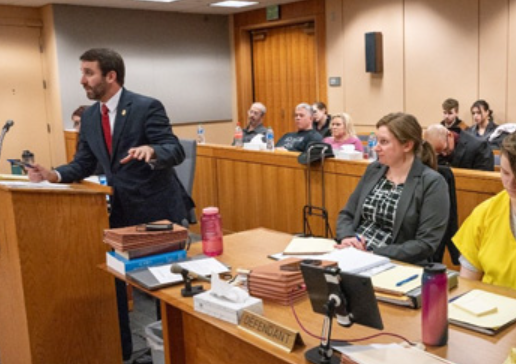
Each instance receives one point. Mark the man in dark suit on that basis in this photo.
(131, 137)
(460, 150)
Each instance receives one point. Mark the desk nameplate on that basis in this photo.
(270, 331)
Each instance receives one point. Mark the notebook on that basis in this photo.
(309, 245)
(488, 322)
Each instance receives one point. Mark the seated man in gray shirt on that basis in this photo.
(298, 141)
(460, 150)
(254, 123)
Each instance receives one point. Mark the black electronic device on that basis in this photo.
(155, 227)
(348, 297)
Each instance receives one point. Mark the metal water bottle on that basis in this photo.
(435, 305)
(211, 231)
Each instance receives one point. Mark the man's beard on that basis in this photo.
(97, 92)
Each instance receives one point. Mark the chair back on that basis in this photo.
(186, 170)
(186, 173)
(453, 224)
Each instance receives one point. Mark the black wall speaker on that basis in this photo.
(374, 52)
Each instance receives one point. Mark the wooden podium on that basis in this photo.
(56, 306)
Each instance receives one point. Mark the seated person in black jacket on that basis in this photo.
(451, 116)
(305, 134)
(460, 150)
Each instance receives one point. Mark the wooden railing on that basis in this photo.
(263, 189)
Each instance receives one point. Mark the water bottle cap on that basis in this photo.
(435, 268)
(210, 210)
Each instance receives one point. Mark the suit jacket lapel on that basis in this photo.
(407, 194)
(123, 110)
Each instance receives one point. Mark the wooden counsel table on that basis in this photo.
(192, 337)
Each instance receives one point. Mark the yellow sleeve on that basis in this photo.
(470, 235)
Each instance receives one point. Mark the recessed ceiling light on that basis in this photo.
(234, 4)
(159, 1)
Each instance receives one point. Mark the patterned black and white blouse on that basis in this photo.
(378, 213)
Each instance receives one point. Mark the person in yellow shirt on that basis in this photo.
(486, 239)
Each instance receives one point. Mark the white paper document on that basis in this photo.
(204, 267)
(350, 260)
(44, 184)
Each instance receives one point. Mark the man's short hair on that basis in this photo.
(307, 107)
(108, 60)
(450, 104)
(260, 106)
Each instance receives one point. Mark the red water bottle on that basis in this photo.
(435, 305)
(211, 231)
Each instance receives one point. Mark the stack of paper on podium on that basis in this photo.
(280, 281)
(482, 311)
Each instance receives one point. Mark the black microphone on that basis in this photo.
(177, 269)
(8, 125)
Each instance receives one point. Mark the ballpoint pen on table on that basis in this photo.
(406, 280)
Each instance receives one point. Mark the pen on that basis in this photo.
(406, 280)
(361, 241)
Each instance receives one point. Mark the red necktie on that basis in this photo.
(106, 127)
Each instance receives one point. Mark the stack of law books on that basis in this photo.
(280, 281)
(136, 248)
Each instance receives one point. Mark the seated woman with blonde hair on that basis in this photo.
(486, 239)
(399, 208)
(342, 132)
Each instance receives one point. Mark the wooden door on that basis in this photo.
(22, 95)
(284, 72)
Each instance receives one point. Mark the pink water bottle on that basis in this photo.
(211, 231)
(435, 305)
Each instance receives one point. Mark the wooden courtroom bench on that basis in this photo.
(263, 189)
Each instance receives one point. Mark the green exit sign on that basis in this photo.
(273, 12)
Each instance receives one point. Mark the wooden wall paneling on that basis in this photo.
(292, 198)
(270, 77)
(71, 138)
(493, 56)
(294, 13)
(302, 59)
(433, 37)
(367, 96)
(511, 64)
(244, 71)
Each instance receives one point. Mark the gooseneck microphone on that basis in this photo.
(177, 269)
(5, 129)
(8, 125)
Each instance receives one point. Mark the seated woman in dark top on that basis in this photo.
(483, 124)
(298, 141)
(400, 206)
(322, 120)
